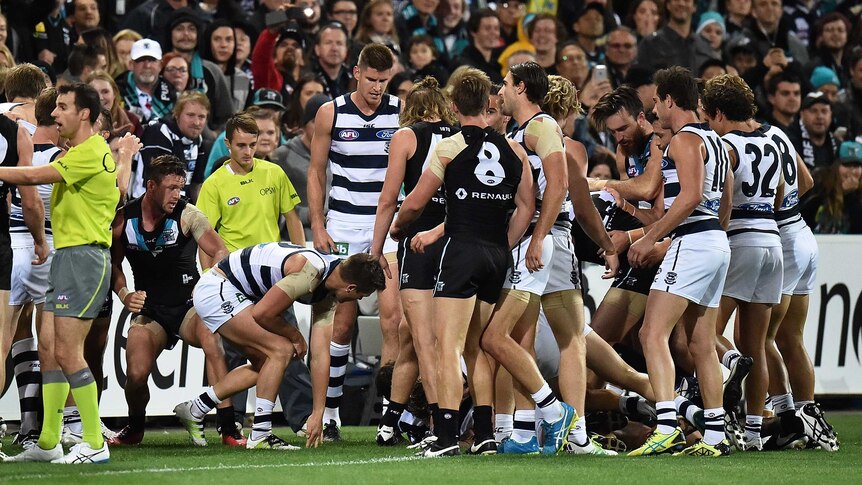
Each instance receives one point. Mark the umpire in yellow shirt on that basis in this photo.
(83, 202)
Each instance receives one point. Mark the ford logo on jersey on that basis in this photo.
(791, 199)
(712, 205)
(385, 134)
(233, 201)
(348, 135)
(757, 207)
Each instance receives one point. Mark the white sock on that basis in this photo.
(338, 356)
(503, 426)
(782, 403)
(204, 403)
(524, 425)
(72, 420)
(753, 425)
(685, 408)
(729, 356)
(799, 404)
(578, 434)
(550, 409)
(262, 418)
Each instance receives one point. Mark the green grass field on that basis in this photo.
(165, 457)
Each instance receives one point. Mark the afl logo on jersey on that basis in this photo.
(385, 134)
(348, 135)
(233, 201)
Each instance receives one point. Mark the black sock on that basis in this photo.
(483, 424)
(393, 414)
(224, 417)
(136, 423)
(434, 409)
(446, 427)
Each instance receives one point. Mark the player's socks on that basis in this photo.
(447, 427)
(730, 356)
(753, 425)
(25, 359)
(204, 403)
(337, 369)
(137, 423)
(782, 403)
(262, 418)
(524, 425)
(578, 434)
(800, 404)
(503, 425)
(72, 420)
(392, 415)
(82, 384)
(550, 408)
(714, 420)
(666, 417)
(686, 408)
(225, 418)
(483, 424)
(55, 390)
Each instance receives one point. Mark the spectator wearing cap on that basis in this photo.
(277, 57)
(850, 98)
(330, 57)
(377, 24)
(710, 30)
(218, 44)
(203, 75)
(417, 18)
(621, 50)
(836, 204)
(484, 49)
(589, 27)
(825, 80)
(814, 143)
(144, 90)
(150, 18)
(829, 44)
(673, 44)
(295, 156)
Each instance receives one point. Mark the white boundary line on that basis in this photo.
(95, 473)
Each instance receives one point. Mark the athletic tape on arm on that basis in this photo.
(548, 137)
(301, 283)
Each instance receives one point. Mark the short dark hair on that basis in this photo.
(470, 90)
(331, 25)
(84, 56)
(678, 83)
(376, 56)
(622, 98)
(639, 76)
(46, 101)
(24, 81)
(162, 166)
(364, 271)
(423, 40)
(86, 97)
(477, 16)
(730, 94)
(711, 63)
(559, 28)
(783, 77)
(535, 80)
(107, 119)
(240, 121)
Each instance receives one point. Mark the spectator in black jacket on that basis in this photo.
(482, 53)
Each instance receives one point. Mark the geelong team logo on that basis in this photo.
(385, 134)
(227, 308)
(348, 135)
(670, 278)
(515, 277)
(233, 201)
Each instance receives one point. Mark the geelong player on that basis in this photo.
(352, 135)
(485, 177)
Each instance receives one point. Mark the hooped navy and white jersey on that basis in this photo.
(358, 157)
(43, 154)
(788, 212)
(256, 269)
(755, 181)
(428, 135)
(715, 168)
(538, 169)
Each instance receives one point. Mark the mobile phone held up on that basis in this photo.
(600, 73)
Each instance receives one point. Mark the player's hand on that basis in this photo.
(533, 258)
(612, 265)
(640, 250)
(396, 232)
(314, 431)
(618, 200)
(384, 265)
(322, 241)
(134, 301)
(42, 251)
(620, 240)
(129, 145)
(423, 239)
(596, 184)
(300, 347)
(656, 256)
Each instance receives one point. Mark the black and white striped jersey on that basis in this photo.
(43, 154)
(715, 168)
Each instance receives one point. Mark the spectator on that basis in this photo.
(53, 39)
(309, 21)
(711, 30)
(269, 138)
(836, 205)
(512, 56)
(644, 18)
(829, 44)
(150, 18)
(347, 13)
(453, 27)
(377, 24)
(179, 135)
(572, 64)
(109, 95)
(589, 28)
(768, 29)
(258, 17)
(7, 60)
(123, 41)
(850, 98)
(175, 70)
(511, 13)
(784, 92)
(330, 55)
(641, 79)
(603, 166)
(245, 36)
(83, 14)
(483, 51)
(802, 15)
(741, 55)
(218, 45)
(83, 60)
(621, 50)
(417, 18)
(711, 68)
(102, 38)
(144, 91)
(675, 43)
(307, 87)
(400, 85)
(815, 144)
(738, 14)
(825, 80)
(277, 58)
(424, 59)
(295, 156)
